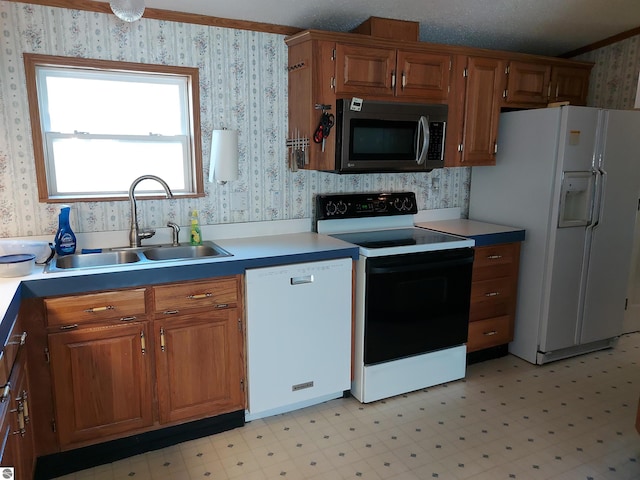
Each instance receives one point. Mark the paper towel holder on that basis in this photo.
(223, 164)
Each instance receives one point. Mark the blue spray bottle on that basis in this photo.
(65, 240)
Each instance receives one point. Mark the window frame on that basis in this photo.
(33, 61)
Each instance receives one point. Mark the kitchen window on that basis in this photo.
(98, 124)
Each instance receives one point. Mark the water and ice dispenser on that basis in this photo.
(576, 199)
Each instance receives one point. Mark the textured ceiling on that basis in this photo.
(545, 27)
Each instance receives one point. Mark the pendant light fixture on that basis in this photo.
(127, 10)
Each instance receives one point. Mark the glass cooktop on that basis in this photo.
(402, 240)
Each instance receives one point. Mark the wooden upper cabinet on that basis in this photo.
(483, 98)
(384, 72)
(424, 76)
(569, 84)
(527, 84)
(364, 70)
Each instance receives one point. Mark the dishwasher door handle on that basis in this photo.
(301, 280)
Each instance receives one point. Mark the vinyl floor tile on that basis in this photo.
(572, 419)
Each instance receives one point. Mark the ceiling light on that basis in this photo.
(127, 10)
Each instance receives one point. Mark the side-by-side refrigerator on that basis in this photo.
(570, 176)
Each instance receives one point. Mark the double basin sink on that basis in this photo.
(136, 255)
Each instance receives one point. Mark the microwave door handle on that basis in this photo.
(421, 153)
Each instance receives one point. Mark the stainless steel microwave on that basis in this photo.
(389, 137)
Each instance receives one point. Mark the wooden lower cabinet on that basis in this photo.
(125, 362)
(198, 371)
(101, 381)
(17, 437)
(493, 295)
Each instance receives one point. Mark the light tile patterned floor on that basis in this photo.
(569, 420)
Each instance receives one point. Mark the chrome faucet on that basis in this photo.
(135, 234)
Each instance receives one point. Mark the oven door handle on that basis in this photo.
(416, 267)
(423, 128)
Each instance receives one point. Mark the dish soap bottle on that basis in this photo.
(196, 235)
(65, 239)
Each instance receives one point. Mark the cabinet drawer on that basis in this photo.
(489, 333)
(17, 337)
(494, 261)
(495, 290)
(115, 305)
(213, 293)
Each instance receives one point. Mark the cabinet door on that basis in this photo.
(527, 83)
(101, 381)
(482, 111)
(364, 71)
(570, 84)
(199, 365)
(424, 76)
(17, 440)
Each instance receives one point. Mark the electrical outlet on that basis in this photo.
(239, 201)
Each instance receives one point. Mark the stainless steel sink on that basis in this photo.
(136, 255)
(92, 260)
(183, 252)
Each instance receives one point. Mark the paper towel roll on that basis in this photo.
(224, 156)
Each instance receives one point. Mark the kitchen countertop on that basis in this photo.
(483, 233)
(250, 252)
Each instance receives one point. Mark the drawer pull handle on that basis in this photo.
(69, 327)
(222, 305)
(200, 296)
(492, 294)
(143, 343)
(488, 334)
(21, 341)
(494, 257)
(170, 312)
(20, 410)
(100, 309)
(5, 392)
(25, 406)
(162, 345)
(127, 319)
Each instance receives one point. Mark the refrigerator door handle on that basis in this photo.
(601, 181)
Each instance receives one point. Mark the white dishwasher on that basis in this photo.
(298, 335)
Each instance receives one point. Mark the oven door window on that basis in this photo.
(416, 303)
(382, 140)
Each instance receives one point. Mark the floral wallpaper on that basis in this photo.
(614, 77)
(243, 86)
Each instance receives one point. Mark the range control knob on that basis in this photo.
(341, 207)
(330, 208)
(407, 203)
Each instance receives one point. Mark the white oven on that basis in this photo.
(412, 293)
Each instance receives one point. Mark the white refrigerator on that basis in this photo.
(570, 176)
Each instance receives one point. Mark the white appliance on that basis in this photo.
(298, 335)
(412, 293)
(570, 176)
